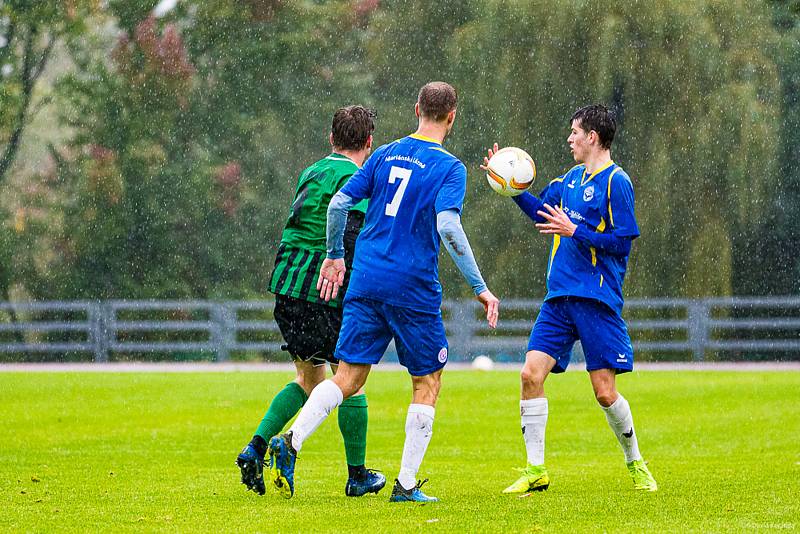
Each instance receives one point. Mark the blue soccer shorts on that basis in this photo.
(601, 330)
(368, 326)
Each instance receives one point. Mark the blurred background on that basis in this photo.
(149, 150)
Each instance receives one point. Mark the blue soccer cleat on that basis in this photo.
(373, 482)
(400, 494)
(282, 458)
(252, 466)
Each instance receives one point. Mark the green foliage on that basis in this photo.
(187, 133)
(155, 452)
(698, 114)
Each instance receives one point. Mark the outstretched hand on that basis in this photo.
(491, 305)
(558, 222)
(491, 152)
(331, 278)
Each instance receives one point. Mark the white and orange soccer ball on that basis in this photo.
(511, 171)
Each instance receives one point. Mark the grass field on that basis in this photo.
(155, 452)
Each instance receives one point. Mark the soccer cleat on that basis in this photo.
(642, 478)
(252, 466)
(400, 494)
(534, 478)
(373, 482)
(282, 458)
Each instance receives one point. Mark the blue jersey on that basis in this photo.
(408, 182)
(603, 202)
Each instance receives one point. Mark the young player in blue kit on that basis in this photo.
(589, 212)
(416, 189)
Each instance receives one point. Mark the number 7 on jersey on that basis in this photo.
(403, 175)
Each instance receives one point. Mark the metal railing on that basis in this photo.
(677, 328)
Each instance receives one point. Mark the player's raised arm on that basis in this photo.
(448, 224)
(331, 274)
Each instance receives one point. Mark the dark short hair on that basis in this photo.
(597, 117)
(436, 100)
(352, 126)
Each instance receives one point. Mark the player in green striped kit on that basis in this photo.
(308, 324)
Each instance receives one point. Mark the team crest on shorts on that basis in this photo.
(443, 355)
(588, 193)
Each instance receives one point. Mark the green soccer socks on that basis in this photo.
(284, 406)
(353, 425)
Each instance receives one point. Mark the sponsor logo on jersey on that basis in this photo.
(621, 358)
(572, 213)
(443, 355)
(588, 193)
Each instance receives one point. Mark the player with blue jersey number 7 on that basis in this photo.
(416, 189)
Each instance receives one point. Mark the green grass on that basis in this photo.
(155, 452)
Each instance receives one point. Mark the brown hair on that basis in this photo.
(352, 126)
(597, 117)
(436, 100)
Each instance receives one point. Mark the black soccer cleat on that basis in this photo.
(373, 482)
(252, 466)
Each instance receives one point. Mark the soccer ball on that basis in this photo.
(482, 363)
(511, 171)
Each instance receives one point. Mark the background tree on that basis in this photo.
(186, 134)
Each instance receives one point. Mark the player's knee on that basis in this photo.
(350, 379)
(606, 397)
(309, 377)
(531, 376)
(307, 383)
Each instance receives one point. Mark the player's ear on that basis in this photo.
(369, 142)
(416, 109)
(451, 117)
(330, 138)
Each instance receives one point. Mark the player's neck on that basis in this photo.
(358, 156)
(597, 160)
(432, 130)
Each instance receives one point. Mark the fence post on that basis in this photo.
(697, 317)
(462, 321)
(98, 319)
(223, 333)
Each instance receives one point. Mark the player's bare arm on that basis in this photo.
(558, 222)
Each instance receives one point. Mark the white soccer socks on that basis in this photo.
(325, 398)
(419, 429)
(534, 420)
(621, 422)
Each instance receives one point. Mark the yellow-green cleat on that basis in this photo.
(642, 478)
(534, 478)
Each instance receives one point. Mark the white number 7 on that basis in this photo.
(403, 175)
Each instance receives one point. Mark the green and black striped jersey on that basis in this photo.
(303, 242)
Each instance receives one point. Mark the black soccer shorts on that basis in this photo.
(310, 330)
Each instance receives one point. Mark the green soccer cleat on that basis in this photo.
(534, 478)
(642, 479)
